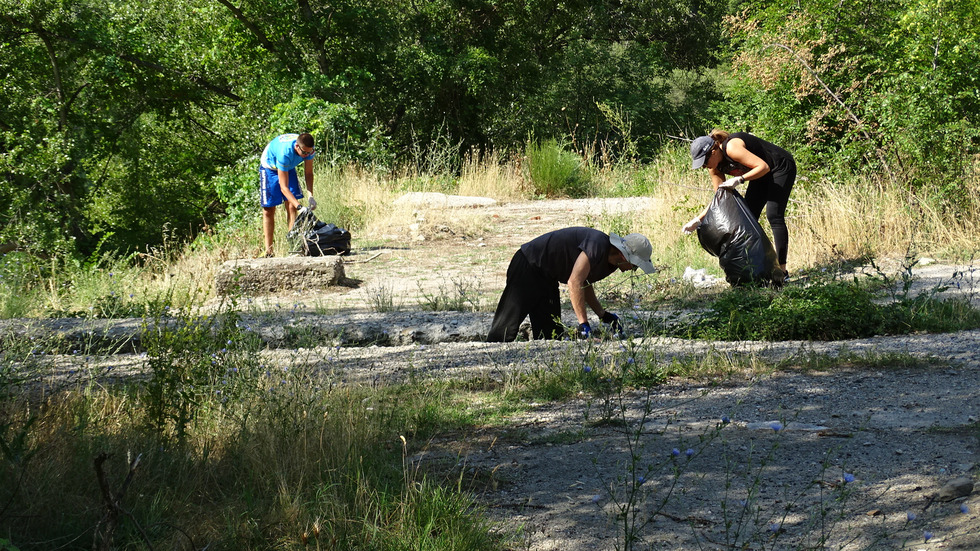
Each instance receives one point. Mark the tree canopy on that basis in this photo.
(122, 122)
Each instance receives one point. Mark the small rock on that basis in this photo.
(958, 487)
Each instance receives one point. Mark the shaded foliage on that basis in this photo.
(138, 119)
(129, 121)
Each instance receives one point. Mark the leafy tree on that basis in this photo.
(105, 129)
(127, 120)
(887, 86)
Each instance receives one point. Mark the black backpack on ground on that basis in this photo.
(744, 251)
(311, 237)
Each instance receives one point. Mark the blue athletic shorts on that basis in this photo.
(269, 191)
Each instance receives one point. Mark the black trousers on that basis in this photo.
(528, 293)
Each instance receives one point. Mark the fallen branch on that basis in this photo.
(369, 259)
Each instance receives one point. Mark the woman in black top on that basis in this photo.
(769, 169)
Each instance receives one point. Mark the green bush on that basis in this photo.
(339, 130)
(826, 311)
(237, 187)
(196, 362)
(554, 171)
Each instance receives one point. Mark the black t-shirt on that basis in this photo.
(555, 253)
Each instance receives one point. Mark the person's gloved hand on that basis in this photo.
(300, 211)
(613, 321)
(691, 226)
(584, 330)
(312, 203)
(731, 182)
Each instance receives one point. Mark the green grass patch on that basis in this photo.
(822, 311)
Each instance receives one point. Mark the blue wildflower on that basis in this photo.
(596, 498)
(587, 368)
(725, 419)
(910, 516)
(675, 452)
(927, 535)
(774, 527)
(689, 452)
(848, 477)
(964, 509)
(641, 479)
(776, 426)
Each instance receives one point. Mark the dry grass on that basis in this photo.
(493, 177)
(828, 221)
(834, 221)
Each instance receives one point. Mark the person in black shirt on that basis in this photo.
(769, 169)
(577, 256)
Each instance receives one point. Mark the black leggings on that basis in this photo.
(772, 191)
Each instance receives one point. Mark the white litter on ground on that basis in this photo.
(700, 279)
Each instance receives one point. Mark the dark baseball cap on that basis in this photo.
(700, 148)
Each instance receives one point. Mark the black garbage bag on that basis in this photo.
(311, 237)
(730, 232)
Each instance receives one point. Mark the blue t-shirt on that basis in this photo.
(281, 155)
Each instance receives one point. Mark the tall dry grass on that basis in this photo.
(494, 177)
(855, 218)
(829, 222)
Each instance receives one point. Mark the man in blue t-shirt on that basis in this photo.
(279, 183)
(575, 256)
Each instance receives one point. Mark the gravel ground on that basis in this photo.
(759, 454)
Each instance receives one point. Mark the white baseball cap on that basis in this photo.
(637, 250)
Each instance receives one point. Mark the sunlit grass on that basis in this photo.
(829, 223)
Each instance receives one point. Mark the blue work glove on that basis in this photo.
(614, 324)
(584, 330)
